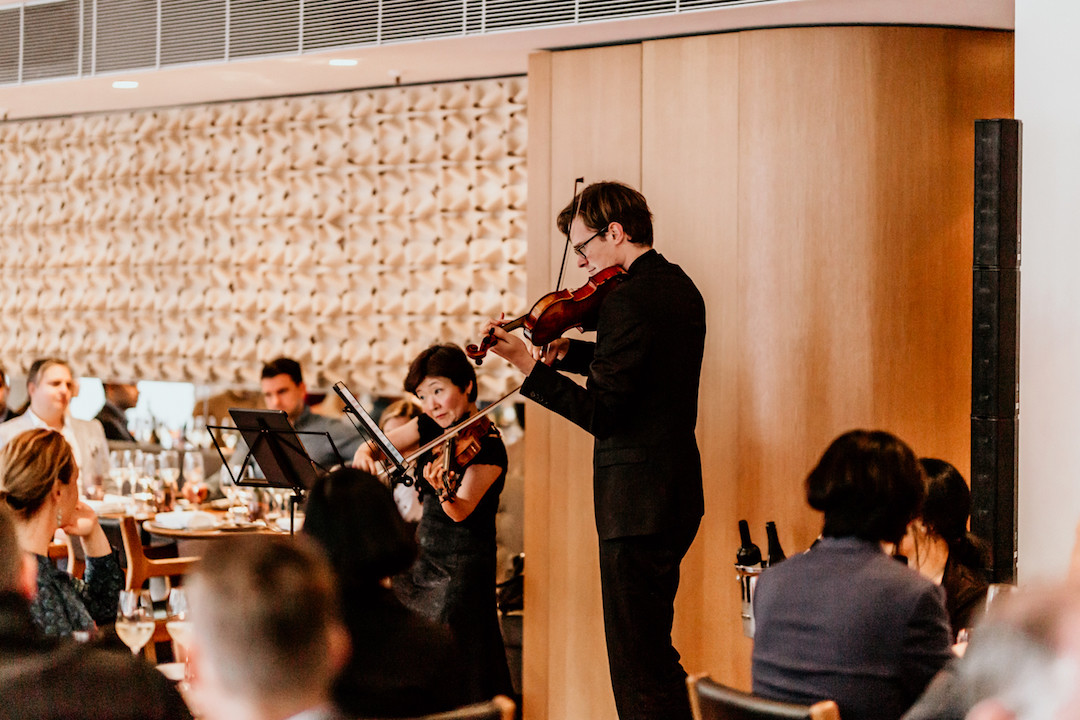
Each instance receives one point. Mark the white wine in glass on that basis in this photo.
(134, 619)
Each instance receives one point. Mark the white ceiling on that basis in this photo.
(467, 57)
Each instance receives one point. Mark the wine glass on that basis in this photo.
(178, 625)
(135, 619)
(195, 489)
(996, 592)
(169, 462)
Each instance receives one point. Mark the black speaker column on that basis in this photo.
(995, 334)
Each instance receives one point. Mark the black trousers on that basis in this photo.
(639, 577)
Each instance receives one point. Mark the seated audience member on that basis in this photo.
(45, 678)
(1023, 663)
(402, 664)
(51, 387)
(844, 620)
(118, 398)
(267, 637)
(938, 544)
(395, 415)
(6, 413)
(283, 388)
(38, 484)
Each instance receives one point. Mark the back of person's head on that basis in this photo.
(353, 517)
(946, 508)
(30, 464)
(603, 203)
(401, 410)
(448, 361)
(283, 366)
(267, 627)
(868, 484)
(1023, 660)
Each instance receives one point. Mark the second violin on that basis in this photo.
(557, 312)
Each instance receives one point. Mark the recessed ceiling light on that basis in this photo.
(343, 62)
(125, 84)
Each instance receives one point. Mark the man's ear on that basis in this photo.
(28, 577)
(990, 709)
(617, 231)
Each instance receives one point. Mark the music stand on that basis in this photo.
(275, 446)
(398, 475)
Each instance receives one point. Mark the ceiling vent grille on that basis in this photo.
(46, 39)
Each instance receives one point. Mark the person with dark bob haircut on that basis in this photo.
(939, 546)
(452, 581)
(353, 516)
(844, 621)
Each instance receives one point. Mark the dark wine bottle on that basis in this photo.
(749, 554)
(776, 553)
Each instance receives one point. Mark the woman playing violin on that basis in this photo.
(453, 578)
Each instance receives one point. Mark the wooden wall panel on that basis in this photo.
(690, 177)
(816, 184)
(593, 110)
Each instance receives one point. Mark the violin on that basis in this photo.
(557, 312)
(457, 452)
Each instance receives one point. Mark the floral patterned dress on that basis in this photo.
(65, 604)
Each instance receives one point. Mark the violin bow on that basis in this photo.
(452, 431)
(566, 245)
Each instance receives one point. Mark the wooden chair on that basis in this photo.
(76, 565)
(141, 567)
(498, 708)
(710, 700)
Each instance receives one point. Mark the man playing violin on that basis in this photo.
(452, 581)
(640, 404)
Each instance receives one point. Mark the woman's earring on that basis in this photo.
(59, 518)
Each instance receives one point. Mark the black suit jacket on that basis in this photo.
(114, 422)
(640, 402)
(846, 622)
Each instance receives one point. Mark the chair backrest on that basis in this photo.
(139, 566)
(498, 708)
(66, 551)
(712, 701)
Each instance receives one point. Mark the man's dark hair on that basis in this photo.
(868, 484)
(603, 203)
(448, 361)
(283, 366)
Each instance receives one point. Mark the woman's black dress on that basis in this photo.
(453, 579)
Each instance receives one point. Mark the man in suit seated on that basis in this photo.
(118, 398)
(283, 388)
(51, 387)
(268, 640)
(45, 678)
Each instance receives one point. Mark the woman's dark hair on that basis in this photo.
(353, 516)
(946, 509)
(448, 361)
(868, 484)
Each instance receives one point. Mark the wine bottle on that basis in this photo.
(749, 554)
(776, 553)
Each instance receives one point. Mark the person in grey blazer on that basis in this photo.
(51, 386)
(640, 404)
(845, 621)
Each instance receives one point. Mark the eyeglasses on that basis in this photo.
(580, 249)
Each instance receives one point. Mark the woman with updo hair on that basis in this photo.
(939, 546)
(845, 621)
(38, 478)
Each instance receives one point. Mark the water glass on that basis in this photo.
(178, 625)
(996, 592)
(135, 619)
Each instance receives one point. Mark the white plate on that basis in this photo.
(173, 671)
